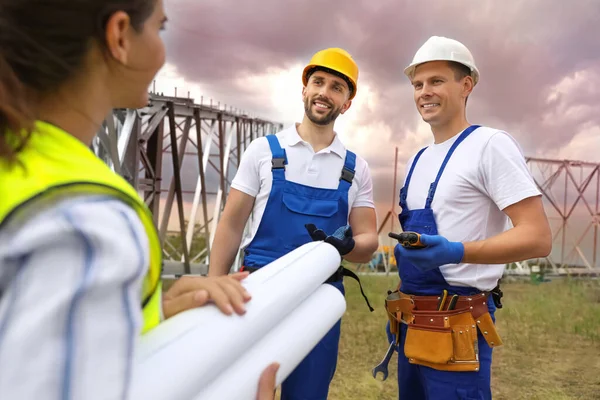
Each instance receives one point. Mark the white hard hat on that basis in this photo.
(439, 48)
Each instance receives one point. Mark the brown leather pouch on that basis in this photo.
(488, 330)
(429, 344)
(399, 307)
(465, 343)
(393, 324)
(443, 340)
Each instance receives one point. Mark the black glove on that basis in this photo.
(341, 239)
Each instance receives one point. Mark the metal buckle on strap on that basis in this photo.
(403, 195)
(431, 191)
(347, 175)
(278, 163)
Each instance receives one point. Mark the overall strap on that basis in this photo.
(458, 141)
(347, 172)
(279, 159)
(404, 190)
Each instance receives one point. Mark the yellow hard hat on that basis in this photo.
(338, 60)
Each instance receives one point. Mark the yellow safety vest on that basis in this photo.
(55, 165)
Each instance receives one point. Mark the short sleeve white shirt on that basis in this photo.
(486, 174)
(321, 169)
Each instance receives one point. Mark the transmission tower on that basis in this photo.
(181, 157)
(571, 194)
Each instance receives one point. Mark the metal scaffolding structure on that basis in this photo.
(181, 157)
(571, 193)
(571, 196)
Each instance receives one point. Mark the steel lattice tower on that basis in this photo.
(181, 157)
(571, 192)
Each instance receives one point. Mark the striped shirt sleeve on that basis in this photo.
(70, 285)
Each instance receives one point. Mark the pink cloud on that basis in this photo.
(524, 52)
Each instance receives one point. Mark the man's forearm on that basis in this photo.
(365, 245)
(225, 246)
(516, 244)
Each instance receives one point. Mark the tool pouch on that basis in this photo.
(443, 340)
(488, 330)
(428, 344)
(399, 309)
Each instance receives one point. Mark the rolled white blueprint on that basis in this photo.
(179, 357)
(182, 323)
(288, 343)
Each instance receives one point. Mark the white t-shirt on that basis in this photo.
(70, 284)
(322, 170)
(486, 173)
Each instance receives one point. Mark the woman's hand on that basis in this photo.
(266, 384)
(189, 292)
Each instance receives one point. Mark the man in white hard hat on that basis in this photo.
(459, 195)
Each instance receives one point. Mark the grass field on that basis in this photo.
(551, 335)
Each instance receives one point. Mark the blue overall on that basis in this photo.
(417, 382)
(290, 206)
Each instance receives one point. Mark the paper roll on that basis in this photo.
(182, 355)
(306, 325)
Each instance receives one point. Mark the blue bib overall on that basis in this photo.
(416, 382)
(290, 206)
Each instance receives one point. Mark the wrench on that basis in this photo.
(383, 365)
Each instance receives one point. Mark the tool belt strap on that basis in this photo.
(405, 303)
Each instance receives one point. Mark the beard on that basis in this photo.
(321, 119)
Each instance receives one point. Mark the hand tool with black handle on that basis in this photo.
(440, 306)
(452, 302)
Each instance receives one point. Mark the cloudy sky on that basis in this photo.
(539, 62)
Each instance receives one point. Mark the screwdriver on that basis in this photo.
(408, 239)
(453, 301)
(442, 300)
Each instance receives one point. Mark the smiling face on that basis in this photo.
(325, 97)
(440, 93)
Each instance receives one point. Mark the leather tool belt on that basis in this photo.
(442, 332)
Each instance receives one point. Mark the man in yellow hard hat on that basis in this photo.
(302, 184)
(459, 194)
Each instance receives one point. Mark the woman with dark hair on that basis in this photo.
(80, 259)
